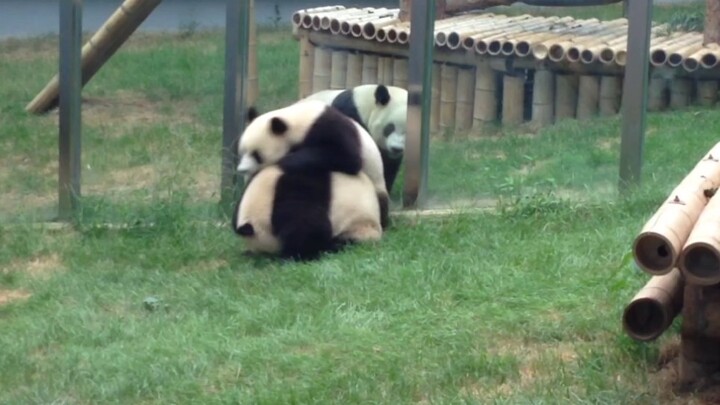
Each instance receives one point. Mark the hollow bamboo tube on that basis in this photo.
(543, 97)
(710, 59)
(588, 97)
(298, 16)
(253, 91)
(338, 70)
(680, 92)
(541, 50)
(321, 69)
(558, 50)
(522, 44)
(323, 21)
(606, 47)
(354, 69)
(307, 62)
(700, 257)
(469, 41)
(353, 26)
(465, 92)
(513, 99)
(370, 29)
(485, 108)
(656, 93)
(659, 55)
(369, 69)
(574, 52)
(492, 44)
(435, 99)
(336, 20)
(658, 245)
(653, 308)
(448, 95)
(101, 46)
(507, 44)
(699, 335)
(456, 37)
(610, 93)
(678, 56)
(707, 92)
(400, 72)
(694, 61)
(393, 32)
(565, 96)
(468, 24)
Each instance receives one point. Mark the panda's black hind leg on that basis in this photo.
(305, 243)
(384, 202)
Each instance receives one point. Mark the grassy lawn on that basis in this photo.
(520, 305)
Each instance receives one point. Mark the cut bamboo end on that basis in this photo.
(565, 96)
(543, 97)
(354, 69)
(655, 253)
(448, 95)
(513, 99)
(653, 309)
(700, 258)
(322, 66)
(465, 92)
(588, 97)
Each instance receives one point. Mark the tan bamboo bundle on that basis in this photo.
(703, 53)
(369, 69)
(604, 50)
(465, 97)
(435, 99)
(385, 70)
(707, 92)
(610, 95)
(338, 70)
(485, 108)
(322, 65)
(658, 245)
(354, 69)
(610, 52)
(680, 92)
(470, 40)
(656, 93)
(370, 29)
(678, 56)
(492, 43)
(513, 99)
(699, 260)
(253, 90)
(464, 23)
(299, 16)
(459, 36)
(659, 54)
(574, 52)
(543, 92)
(337, 19)
(400, 73)
(558, 50)
(307, 63)
(323, 21)
(541, 50)
(566, 86)
(588, 97)
(653, 309)
(448, 95)
(521, 43)
(573, 39)
(353, 26)
(96, 51)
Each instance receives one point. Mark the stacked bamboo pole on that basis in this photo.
(322, 66)
(486, 94)
(448, 96)
(96, 51)
(464, 95)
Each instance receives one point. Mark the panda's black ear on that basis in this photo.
(252, 113)
(278, 126)
(382, 95)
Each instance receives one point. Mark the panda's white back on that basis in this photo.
(354, 208)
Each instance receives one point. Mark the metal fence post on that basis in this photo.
(422, 42)
(70, 124)
(635, 90)
(236, 69)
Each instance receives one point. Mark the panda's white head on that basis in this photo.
(388, 120)
(270, 136)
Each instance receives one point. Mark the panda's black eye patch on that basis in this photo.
(278, 126)
(256, 155)
(389, 129)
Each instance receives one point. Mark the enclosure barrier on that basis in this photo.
(492, 67)
(680, 247)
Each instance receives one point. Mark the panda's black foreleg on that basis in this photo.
(391, 167)
(318, 159)
(384, 201)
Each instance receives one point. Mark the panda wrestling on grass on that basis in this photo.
(382, 111)
(316, 182)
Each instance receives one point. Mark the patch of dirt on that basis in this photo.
(128, 179)
(608, 144)
(525, 170)
(8, 296)
(43, 267)
(32, 49)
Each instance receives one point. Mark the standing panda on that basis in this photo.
(300, 215)
(382, 110)
(312, 136)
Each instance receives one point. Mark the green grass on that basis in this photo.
(517, 306)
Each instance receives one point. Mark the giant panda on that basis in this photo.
(382, 110)
(301, 215)
(320, 139)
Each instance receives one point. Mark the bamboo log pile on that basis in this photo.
(679, 247)
(483, 60)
